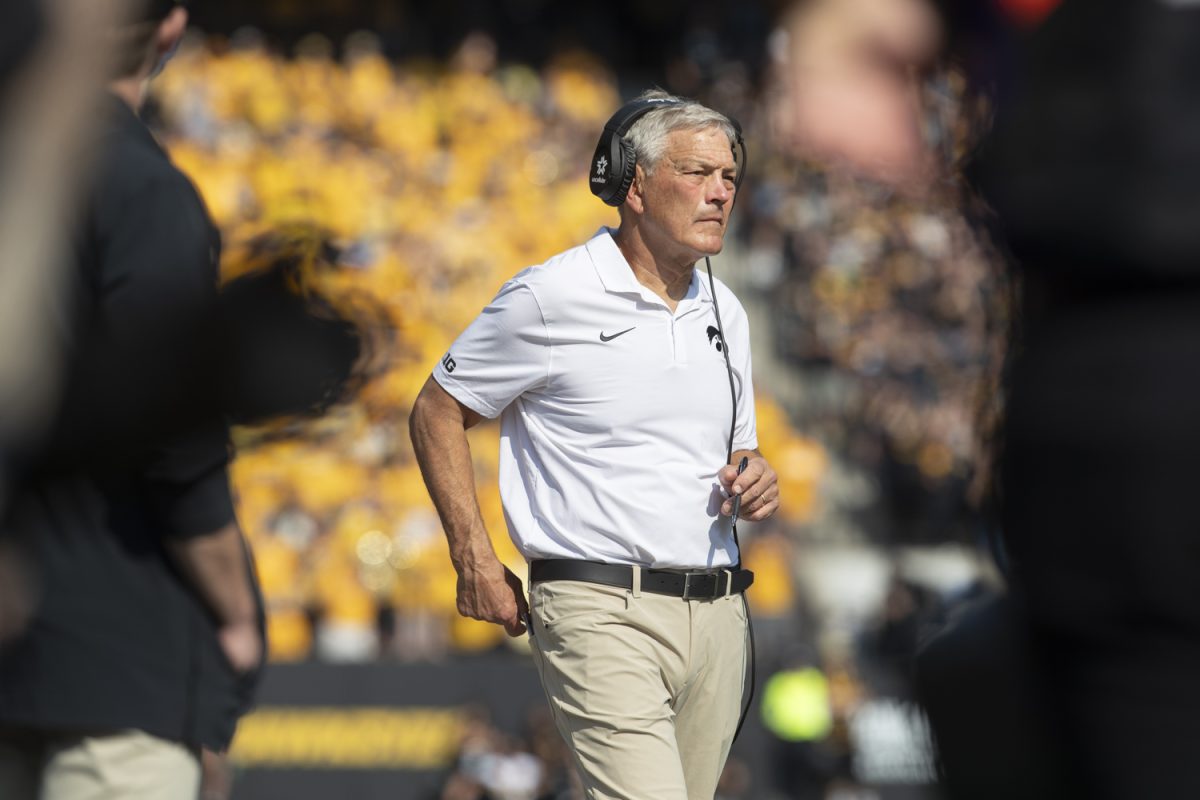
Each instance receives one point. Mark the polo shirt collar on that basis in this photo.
(617, 276)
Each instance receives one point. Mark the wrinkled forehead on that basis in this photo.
(709, 145)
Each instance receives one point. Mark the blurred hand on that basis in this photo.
(16, 600)
(493, 595)
(758, 485)
(848, 86)
(216, 775)
(241, 644)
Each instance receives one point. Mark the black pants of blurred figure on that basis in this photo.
(1084, 682)
(1101, 512)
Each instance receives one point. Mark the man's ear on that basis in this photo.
(170, 32)
(635, 199)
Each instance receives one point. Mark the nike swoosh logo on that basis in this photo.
(604, 338)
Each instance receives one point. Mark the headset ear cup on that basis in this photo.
(628, 169)
(602, 178)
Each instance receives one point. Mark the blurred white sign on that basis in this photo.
(892, 743)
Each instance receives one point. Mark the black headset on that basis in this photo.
(611, 175)
(614, 162)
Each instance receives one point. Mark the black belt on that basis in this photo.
(688, 584)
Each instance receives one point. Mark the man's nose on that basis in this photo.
(719, 193)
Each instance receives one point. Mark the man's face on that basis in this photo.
(688, 196)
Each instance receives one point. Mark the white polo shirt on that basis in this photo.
(615, 411)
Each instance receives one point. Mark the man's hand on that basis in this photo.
(495, 595)
(758, 486)
(16, 595)
(241, 644)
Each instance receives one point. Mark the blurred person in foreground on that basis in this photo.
(50, 60)
(609, 374)
(1083, 684)
(146, 633)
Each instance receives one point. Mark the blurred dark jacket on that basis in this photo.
(22, 23)
(1092, 171)
(1094, 158)
(118, 639)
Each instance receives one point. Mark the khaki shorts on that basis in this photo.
(125, 765)
(645, 689)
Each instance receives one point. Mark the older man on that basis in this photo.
(624, 409)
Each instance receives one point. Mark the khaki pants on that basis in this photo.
(646, 689)
(130, 765)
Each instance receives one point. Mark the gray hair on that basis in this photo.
(649, 134)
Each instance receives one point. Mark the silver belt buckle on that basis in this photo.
(687, 586)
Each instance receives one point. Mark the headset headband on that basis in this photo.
(614, 162)
(631, 112)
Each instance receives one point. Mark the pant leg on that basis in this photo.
(1102, 450)
(127, 765)
(708, 708)
(611, 665)
(20, 763)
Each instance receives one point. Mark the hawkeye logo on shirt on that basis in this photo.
(714, 338)
(448, 363)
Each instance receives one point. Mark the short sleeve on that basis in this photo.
(158, 267)
(504, 353)
(144, 336)
(187, 482)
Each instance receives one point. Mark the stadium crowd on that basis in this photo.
(895, 302)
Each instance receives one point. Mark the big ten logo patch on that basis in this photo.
(449, 363)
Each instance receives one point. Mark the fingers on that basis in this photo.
(502, 603)
(758, 486)
(733, 483)
(242, 645)
(755, 472)
(727, 475)
(515, 626)
(761, 507)
(510, 616)
(754, 507)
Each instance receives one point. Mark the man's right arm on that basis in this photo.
(216, 566)
(487, 590)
